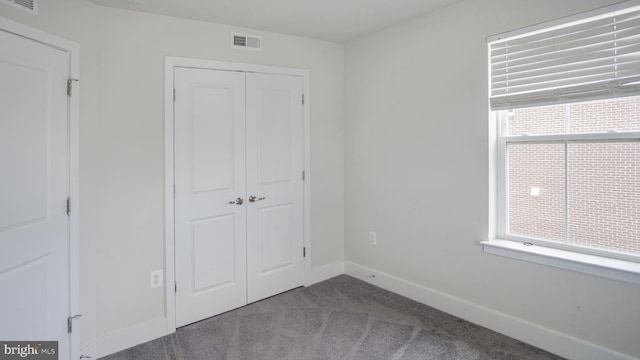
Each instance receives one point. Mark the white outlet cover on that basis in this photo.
(156, 279)
(373, 238)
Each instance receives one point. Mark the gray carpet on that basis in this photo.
(341, 318)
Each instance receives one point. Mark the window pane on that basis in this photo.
(536, 190)
(604, 195)
(542, 120)
(620, 114)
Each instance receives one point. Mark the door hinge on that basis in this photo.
(302, 99)
(68, 206)
(304, 252)
(70, 86)
(70, 322)
(174, 94)
(303, 175)
(175, 286)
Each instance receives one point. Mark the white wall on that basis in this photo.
(416, 160)
(122, 147)
(426, 195)
(130, 149)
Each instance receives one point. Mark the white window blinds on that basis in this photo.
(593, 58)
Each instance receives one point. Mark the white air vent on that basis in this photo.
(26, 5)
(245, 41)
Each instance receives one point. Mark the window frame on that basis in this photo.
(503, 184)
(576, 258)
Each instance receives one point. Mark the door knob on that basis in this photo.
(253, 198)
(237, 201)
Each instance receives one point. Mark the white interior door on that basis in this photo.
(210, 227)
(274, 177)
(34, 186)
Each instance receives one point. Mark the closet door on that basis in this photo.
(210, 204)
(274, 184)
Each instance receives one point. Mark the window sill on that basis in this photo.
(621, 270)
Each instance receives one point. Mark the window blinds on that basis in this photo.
(594, 58)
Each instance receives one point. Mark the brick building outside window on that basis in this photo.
(590, 198)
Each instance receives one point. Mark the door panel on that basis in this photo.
(34, 186)
(274, 177)
(275, 238)
(28, 280)
(213, 141)
(212, 252)
(210, 238)
(26, 141)
(274, 136)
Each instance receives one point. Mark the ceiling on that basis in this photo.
(331, 20)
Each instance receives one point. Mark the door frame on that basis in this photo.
(171, 62)
(73, 106)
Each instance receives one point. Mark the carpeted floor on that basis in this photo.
(341, 318)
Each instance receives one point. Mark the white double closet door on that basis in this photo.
(238, 162)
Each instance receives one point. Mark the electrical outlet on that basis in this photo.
(373, 238)
(156, 279)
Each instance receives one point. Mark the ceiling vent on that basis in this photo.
(26, 5)
(246, 42)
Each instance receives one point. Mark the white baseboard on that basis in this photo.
(155, 328)
(547, 339)
(325, 272)
(126, 338)
(90, 349)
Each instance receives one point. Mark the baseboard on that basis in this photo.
(325, 272)
(90, 350)
(547, 339)
(156, 328)
(132, 336)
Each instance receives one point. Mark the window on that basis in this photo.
(571, 174)
(566, 100)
